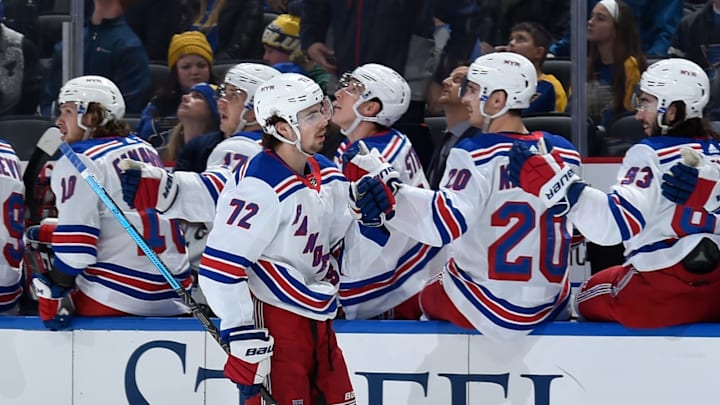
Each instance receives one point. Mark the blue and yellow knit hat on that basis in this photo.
(283, 33)
(208, 93)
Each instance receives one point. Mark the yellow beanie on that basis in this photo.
(283, 33)
(189, 43)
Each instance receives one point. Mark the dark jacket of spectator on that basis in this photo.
(697, 31)
(112, 50)
(154, 32)
(194, 155)
(367, 31)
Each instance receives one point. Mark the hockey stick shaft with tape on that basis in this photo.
(198, 311)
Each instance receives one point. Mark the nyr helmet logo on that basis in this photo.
(512, 63)
(688, 73)
(267, 88)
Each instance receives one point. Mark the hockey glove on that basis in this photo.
(376, 202)
(359, 162)
(545, 176)
(249, 361)
(145, 186)
(54, 303)
(694, 182)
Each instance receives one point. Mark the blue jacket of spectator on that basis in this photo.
(194, 155)
(656, 20)
(111, 49)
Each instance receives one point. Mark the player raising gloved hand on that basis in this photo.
(359, 162)
(249, 361)
(376, 202)
(693, 182)
(546, 175)
(145, 186)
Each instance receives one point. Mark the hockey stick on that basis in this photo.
(198, 311)
(45, 149)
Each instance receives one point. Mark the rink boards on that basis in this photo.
(173, 361)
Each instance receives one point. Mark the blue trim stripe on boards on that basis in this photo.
(370, 327)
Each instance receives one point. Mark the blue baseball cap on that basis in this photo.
(208, 93)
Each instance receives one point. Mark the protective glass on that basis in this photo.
(229, 94)
(312, 118)
(641, 102)
(464, 87)
(350, 85)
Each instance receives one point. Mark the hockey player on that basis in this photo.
(671, 274)
(12, 191)
(98, 270)
(508, 270)
(384, 271)
(189, 195)
(268, 271)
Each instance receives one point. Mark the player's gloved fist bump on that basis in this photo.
(695, 182)
(376, 201)
(54, 303)
(359, 162)
(249, 361)
(146, 186)
(544, 175)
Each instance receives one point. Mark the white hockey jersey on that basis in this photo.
(656, 232)
(508, 271)
(91, 244)
(381, 270)
(12, 193)
(275, 232)
(198, 192)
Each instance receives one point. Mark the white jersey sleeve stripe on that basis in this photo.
(364, 290)
(214, 182)
(223, 267)
(629, 219)
(9, 295)
(393, 148)
(292, 291)
(448, 220)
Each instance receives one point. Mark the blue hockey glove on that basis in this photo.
(145, 186)
(544, 175)
(54, 303)
(376, 201)
(693, 182)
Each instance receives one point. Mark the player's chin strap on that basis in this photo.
(81, 109)
(358, 118)
(296, 142)
(243, 122)
(661, 120)
(487, 118)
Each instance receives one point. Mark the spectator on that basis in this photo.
(656, 21)
(532, 41)
(98, 270)
(155, 33)
(233, 27)
(697, 38)
(281, 40)
(198, 114)
(190, 62)
(20, 75)
(456, 124)
(614, 61)
(237, 121)
(111, 50)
